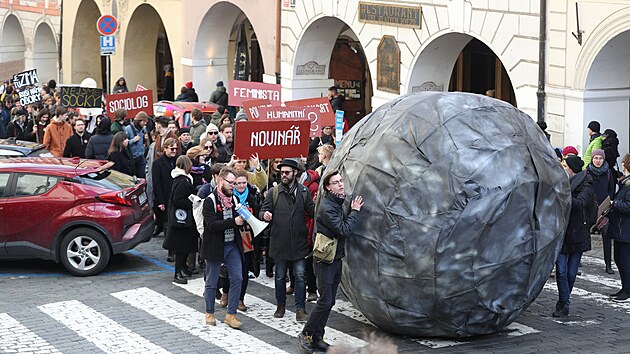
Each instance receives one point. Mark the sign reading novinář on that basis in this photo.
(395, 15)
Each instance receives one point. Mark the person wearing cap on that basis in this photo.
(604, 186)
(569, 151)
(284, 208)
(135, 133)
(76, 144)
(595, 141)
(191, 93)
(17, 128)
(619, 231)
(219, 95)
(577, 238)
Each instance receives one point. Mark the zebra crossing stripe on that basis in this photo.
(98, 329)
(346, 308)
(15, 338)
(193, 322)
(596, 297)
(262, 312)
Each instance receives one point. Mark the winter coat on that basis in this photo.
(136, 147)
(337, 103)
(17, 131)
(610, 145)
(192, 95)
(98, 145)
(214, 227)
(288, 233)
(258, 178)
(76, 145)
(596, 143)
(116, 127)
(120, 88)
(122, 162)
(196, 130)
(334, 223)
(56, 136)
(578, 236)
(162, 180)
(225, 152)
(219, 96)
(180, 240)
(312, 183)
(603, 184)
(619, 216)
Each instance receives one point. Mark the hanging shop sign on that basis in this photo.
(388, 65)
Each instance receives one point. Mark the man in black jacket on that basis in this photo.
(333, 222)
(284, 208)
(76, 144)
(163, 182)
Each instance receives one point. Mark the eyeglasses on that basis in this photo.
(336, 182)
(231, 183)
(286, 172)
(213, 133)
(173, 149)
(208, 147)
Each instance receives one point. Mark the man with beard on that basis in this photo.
(226, 150)
(76, 144)
(284, 208)
(222, 244)
(58, 132)
(135, 133)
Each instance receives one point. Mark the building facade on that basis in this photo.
(29, 37)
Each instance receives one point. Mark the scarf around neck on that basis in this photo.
(225, 200)
(242, 197)
(598, 171)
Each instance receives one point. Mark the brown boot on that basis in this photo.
(301, 315)
(290, 290)
(279, 311)
(232, 321)
(210, 319)
(241, 306)
(224, 300)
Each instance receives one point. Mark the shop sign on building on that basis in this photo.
(393, 15)
(311, 68)
(388, 65)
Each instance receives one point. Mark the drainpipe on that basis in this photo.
(278, 42)
(60, 71)
(542, 39)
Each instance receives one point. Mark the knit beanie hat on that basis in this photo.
(189, 85)
(575, 163)
(594, 126)
(211, 127)
(569, 150)
(598, 152)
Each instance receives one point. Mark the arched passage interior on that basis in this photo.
(330, 53)
(607, 89)
(86, 54)
(146, 51)
(459, 62)
(12, 47)
(45, 53)
(219, 42)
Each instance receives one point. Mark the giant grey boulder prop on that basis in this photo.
(465, 212)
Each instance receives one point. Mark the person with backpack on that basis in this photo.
(577, 238)
(284, 208)
(604, 183)
(619, 230)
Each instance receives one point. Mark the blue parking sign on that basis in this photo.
(108, 45)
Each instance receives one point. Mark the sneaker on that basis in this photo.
(623, 297)
(616, 294)
(251, 275)
(311, 297)
(320, 345)
(301, 315)
(210, 319)
(306, 342)
(561, 310)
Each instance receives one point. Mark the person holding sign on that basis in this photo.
(58, 132)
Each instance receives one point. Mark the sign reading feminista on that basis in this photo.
(396, 15)
(247, 90)
(132, 102)
(81, 97)
(272, 139)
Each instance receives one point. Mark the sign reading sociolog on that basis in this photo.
(326, 114)
(247, 90)
(132, 102)
(288, 113)
(272, 139)
(81, 97)
(25, 79)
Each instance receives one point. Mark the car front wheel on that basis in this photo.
(84, 252)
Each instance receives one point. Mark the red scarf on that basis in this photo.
(226, 202)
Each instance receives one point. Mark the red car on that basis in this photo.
(74, 211)
(180, 111)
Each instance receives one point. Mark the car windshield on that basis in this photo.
(108, 179)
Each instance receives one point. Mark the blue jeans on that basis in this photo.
(233, 263)
(566, 271)
(328, 279)
(299, 270)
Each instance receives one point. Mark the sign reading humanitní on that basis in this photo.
(247, 90)
(310, 113)
(272, 139)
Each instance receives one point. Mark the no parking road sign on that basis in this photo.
(107, 25)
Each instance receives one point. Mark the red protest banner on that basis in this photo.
(140, 88)
(251, 108)
(272, 139)
(310, 113)
(326, 114)
(247, 90)
(132, 102)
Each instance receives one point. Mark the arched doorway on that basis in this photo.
(459, 62)
(12, 47)
(86, 54)
(226, 45)
(607, 90)
(330, 54)
(146, 51)
(45, 53)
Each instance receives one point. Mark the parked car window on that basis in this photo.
(4, 153)
(4, 181)
(28, 184)
(108, 179)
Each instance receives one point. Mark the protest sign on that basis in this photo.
(81, 97)
(326, 114)
(251, 108)
(247, 90)
(272, 139)
(140, 88)
(30, 96)
(25, 79)
(132, 102)
(310, 113)
(338, 126)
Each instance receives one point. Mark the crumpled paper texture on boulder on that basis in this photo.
(465, 211)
